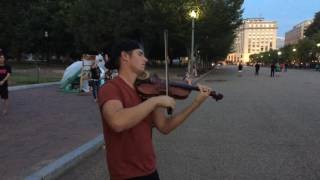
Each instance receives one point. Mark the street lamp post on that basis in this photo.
(318, 53)
(46, 35)
(279, 55)
(318, 46)
(294, 51)
(193, 16)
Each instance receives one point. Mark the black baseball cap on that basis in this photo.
(124, 45)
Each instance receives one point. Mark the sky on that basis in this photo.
(287, 13)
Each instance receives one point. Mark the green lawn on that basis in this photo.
(31, 79)
(24, 74)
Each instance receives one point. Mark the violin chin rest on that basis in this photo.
(143, 76)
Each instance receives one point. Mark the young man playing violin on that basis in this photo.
(128, 121)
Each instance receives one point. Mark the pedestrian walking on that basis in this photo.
(257, 67)
(5, 72)
(128, 121)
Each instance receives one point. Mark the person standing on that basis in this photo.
(277, 69)
(272, 67)
(282, 67)
(194, 71)
(286, 67)
(257, 67)
(187, 78)
(240, 67)
(128, 120)
(95, 80)
(5, 71)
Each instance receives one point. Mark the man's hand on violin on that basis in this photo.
(165, 101)
(203, 95)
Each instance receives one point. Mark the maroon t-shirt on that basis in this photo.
(130, 153)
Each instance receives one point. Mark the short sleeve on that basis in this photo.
(108, 92)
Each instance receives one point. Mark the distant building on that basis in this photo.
(280, 42)
(297, 32)
(255, 35)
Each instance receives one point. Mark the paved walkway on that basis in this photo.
(264, 128)
(43, 124)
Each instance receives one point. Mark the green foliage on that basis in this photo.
(217, 28)
(314, 27)
(89, 24)
(12, 25)
(78, 26)
(305, 51)
(305, 47)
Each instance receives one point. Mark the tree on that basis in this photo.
(12, 26)
(304, 52)
(314, 27)
(217, 29)
(79, 26)
(90, 23)
(166, 15)
(47, 29)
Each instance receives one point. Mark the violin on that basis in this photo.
(154, 86)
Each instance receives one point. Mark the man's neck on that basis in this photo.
(128, 77)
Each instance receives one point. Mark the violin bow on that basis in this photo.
(169, 110)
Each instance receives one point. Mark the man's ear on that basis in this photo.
(125, 56)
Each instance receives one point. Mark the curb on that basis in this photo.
(66, 162)
(202, 76)
(22, 87)
(71, 159)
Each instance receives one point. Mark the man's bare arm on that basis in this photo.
(166, 125)
(120, 118)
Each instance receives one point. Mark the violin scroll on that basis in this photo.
(215, 96)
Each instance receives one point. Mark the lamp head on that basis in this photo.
(193, 14)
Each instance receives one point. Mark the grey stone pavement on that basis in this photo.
(44, 124)
(265, 128)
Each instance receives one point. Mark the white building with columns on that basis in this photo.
(255, 35)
